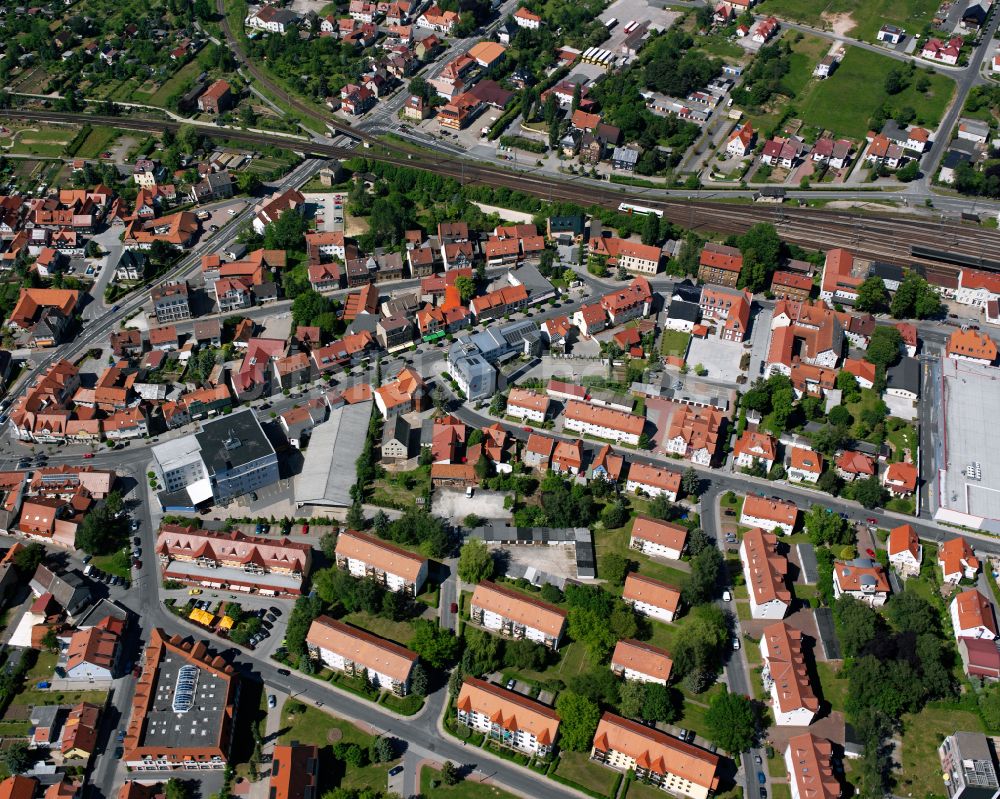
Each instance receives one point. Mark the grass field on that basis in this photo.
(466, 789)
(39, 140)
(573, 660)
(171, 85)
(806, 53)
(399, 631)
(579, 768)
(97, 142)
(616, 541)
(118, 564)
(312, 726)
(868, 15)
(920, 775)
(834, 687)
(674, 342)
(844, 103)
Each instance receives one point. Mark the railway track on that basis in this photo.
(878, 236)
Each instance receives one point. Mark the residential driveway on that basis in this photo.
(901, 408)
(451, 503)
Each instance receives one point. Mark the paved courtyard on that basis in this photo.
(451, 503)
(721, 358)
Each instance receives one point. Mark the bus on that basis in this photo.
(631, 208)
(611, 23)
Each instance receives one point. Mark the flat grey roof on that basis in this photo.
(328, 471)
(198, 726)
(970, 469)
(229, 442)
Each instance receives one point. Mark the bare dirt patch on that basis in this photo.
(840, 24)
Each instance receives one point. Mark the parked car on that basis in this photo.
(727, 597)
(395, 770)
(736, 643)
(871, 553)
(88, 455)
(871, 520)
(454, 607)
(194, 591)
(43, 684)
(272, 701)
(305, 529)
(284, 672)
(761, 778)
(511, 683)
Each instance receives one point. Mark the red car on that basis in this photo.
(88, 455)
(870, 553)
(871, 520)
(305, 529)
(454, 607)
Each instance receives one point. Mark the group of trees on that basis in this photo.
(763, 80)
(104, 529)
(914, 299)
(599, 619)
(312, 308)
(774, 399)
(762, 251)
(895, 664)
(343, 593)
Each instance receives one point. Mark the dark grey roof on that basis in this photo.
(905, 375)
(953, 158)
(397, 429)
(886, 271)
(362, 322)
(232, 441)
(687, 291)
(688, 311)
(572, 223)
(268, 290)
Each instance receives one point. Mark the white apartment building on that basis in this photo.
(524, 404)
(395, 568)
(651, 597)
(356, 652)
(769, 514)
(514, 615)
(657, 538)
(606, 423)
(653, 481)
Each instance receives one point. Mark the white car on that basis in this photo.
(272, 701)
(727, 597)
(736, 643)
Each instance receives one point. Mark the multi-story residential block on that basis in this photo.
(395, 568)
(972, 615)
(972, 345)
(657, 538)
(804, 465)
(406, 393)
(786, 676)
(842, 276)
(755, 447)
(358, 653)
(765, 571)
(93, 653)
(769, 514)
(862, 579)
(294, 772)
(233, 561)
(635, 660)
(526, 404)
(651, 597)
(181, 679)
(905, 550)
(170, 302)
(653, 481)
(720, 265)
(977, 288)
(588, 419)
(507, 717)
(969, 766)
(956, 560)
(809, 762)
(677, 767)
(516, 615)
(695, 433)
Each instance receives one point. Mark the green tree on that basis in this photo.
(418, 680)
(884, 347)
(699, 646)
(915, 299)
(466, 288)
(826, 527)
(632, 698)
(287, 232)
(307, 306)
(869, 492)
(848, 385)
(872, 295)
(651, 230)
(579, 721)
(658, 706)
(475, 562)
(615, 514)
(383, 749)
(761, 249)
(614, 568)
(16, 758)
(910, 612)
(449, 773)
(857, 624)
(703, 581)
(525, 655)
(28, 558)
(732, 722)
(690, 482)
(483, 653)
(436, 646)
(100, 533)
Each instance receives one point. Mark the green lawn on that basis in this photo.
(920, 775)
(120, 564)
(901, 505)
(674, 342)
(34, 696)
(834, 687)
(50, 141)
(616, 541)
(902, 437)
(845, 102)
(97, 141)
(868, 15)
(399, 631)
(573, 659)
(44, 667)
(466, 789)
(172, 85)
(313, 726)
(806, 53)
(578, 767)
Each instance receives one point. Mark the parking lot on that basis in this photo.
(452, 503)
